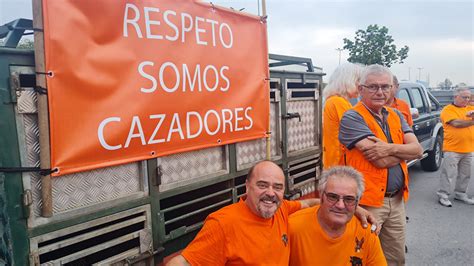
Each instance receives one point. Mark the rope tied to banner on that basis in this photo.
(43, 172)
(49, 73)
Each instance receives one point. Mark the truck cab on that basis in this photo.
(425, 110)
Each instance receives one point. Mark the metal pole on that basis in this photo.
(409, 73)
(43, 122)
(419, 73)
(258, 7)
(339, 50)
(268, 141)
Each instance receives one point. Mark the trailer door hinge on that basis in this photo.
(159, 174)
(27, 201)
(34, 259)
(27, 198)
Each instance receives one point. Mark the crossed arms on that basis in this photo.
(385, 155)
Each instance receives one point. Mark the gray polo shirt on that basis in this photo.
(353, 129)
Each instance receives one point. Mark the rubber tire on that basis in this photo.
(430, 163)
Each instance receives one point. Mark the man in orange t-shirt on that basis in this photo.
(458, 147)
(470, 105)
(328, 234)
(254, 230)
(399, 104)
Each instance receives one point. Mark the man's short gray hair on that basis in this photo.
(375, 70)
(342, 172)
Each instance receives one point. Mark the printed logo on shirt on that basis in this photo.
(284, 238)
(356, 261)
(359, 243)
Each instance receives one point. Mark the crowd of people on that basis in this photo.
(365, 149)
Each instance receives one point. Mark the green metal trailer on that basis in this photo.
(140, 212)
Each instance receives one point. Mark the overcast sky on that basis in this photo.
(440, 34)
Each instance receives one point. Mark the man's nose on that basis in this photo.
(340, 203)
(270, 191)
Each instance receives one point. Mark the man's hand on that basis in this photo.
(376, 151)
(367, 217)
(470, 114)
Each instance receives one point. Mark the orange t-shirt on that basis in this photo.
(334, 108)
(234, 235)
(404, 108)
(310, 245)
(457, 139)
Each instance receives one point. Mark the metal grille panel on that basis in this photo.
(105, 241)
(302, 135)
(255, 150)
(184, 168)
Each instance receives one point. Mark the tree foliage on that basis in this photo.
(23, 44)
(26, 44)
(446, 84)
(374, 46)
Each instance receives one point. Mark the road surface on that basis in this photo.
(438, 235)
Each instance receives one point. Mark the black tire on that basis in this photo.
(433, 161)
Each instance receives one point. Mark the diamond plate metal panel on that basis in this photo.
(255, 150)
(77, 190)
(27, 102)
(302, 135)
(146, 240)
(188, 166)
(86, 188)
(100, 185)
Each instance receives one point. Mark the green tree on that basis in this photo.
(374, 46)
(26, 44)
(23, 44)
(446, 84)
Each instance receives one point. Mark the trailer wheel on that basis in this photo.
(433, 161)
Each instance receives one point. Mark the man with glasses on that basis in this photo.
(328, 234)
(458, 147)
(377, 141)
(253, 231)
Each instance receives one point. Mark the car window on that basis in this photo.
(434, 103)
(403, 94)
(418, 100)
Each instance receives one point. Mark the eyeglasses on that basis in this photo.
(465, 97)
(373, 88)
(333, 198)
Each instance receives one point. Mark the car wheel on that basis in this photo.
(433, 161)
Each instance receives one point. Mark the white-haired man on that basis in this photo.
(377, 141)
(328, 234)
(458, 146)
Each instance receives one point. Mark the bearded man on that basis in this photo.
(254, 230)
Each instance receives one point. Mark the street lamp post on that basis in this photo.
(339, 50)
(419, 73)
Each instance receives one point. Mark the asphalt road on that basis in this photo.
(438, 235)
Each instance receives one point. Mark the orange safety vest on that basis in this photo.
(376, 178)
